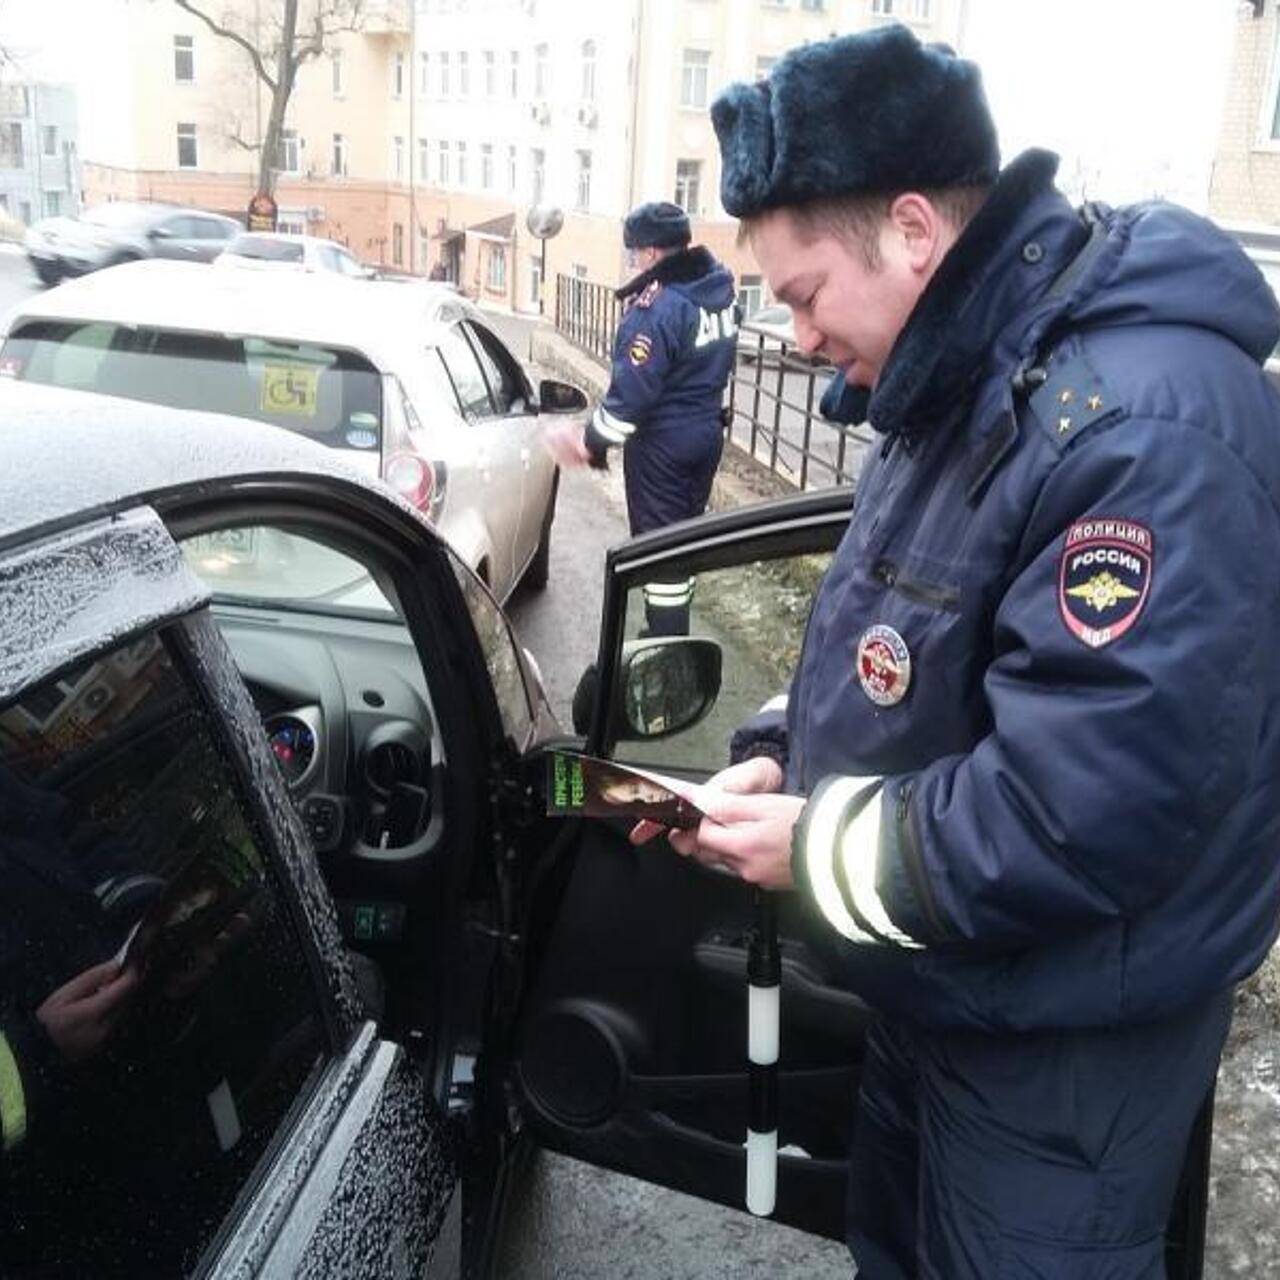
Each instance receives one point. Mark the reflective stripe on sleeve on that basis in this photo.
(774, 704)
(855, 874)
(823, 819)
(13, 1101)
(611, 428)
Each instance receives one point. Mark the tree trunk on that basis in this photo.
(286, 71)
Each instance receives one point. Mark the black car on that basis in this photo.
(293, 965)
(124, 231)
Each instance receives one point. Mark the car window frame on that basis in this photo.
(491, 353)
(468, 409)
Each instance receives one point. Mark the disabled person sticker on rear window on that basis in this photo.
(289, 389)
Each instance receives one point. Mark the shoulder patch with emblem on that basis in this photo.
(639, 349)
(649, 293)
(1072, 398)
(1104, 578)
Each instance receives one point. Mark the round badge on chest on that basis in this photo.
(884, 665)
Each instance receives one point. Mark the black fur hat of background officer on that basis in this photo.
(657, 225)
(876, 112)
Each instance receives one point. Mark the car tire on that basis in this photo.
(47, 272)
(538, 574)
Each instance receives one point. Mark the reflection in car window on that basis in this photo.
(329, 394)
(265, 566)
(757, 614)
(465, 372)
(504, 387)
(438, 376)
(157, 1018)
(501, 656)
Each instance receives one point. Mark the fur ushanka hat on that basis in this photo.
(877, 112)
(656, 225)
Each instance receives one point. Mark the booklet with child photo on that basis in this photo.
(581, 786)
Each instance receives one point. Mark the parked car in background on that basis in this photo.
(124, 231)
(267, 740)
(281, 251)
(408, 382)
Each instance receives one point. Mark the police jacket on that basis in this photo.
(673, 354)
(1037, 711)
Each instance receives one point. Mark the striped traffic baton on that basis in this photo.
(764, 978)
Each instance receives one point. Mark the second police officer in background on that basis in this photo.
(1027, 773)
(673, 355)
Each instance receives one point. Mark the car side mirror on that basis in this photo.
(560, 397)
(664, 685)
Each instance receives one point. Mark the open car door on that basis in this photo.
(632, 1044)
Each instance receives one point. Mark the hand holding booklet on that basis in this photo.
(581, 786)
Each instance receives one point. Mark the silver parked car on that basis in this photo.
(284, 251)
(124, 231)
(408, 381)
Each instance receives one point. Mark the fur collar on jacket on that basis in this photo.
(676, 268)
(975, 292)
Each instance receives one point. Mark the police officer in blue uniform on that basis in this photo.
(1026, 774)
(673, 355)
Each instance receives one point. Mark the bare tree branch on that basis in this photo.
(235, 37)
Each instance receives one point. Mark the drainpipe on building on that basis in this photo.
(413, 137)
(637, 64)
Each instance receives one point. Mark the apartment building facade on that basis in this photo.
(1245, 184)
(423, 139)
(39, 150)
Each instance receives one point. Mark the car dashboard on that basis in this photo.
(346, 711)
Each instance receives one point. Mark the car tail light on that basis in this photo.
(418, 481)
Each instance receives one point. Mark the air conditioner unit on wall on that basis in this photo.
(315, 213)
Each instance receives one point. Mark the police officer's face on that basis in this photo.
(639, 260)
(843, 309)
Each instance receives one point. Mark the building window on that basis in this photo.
(584, 181)
(424, 162)
(750, 295)
(397, 244)
(292, 222)
(49, 137)
(52, 204)
(511, 169)
(339, 155)
(397, 157)
(497, 276)
(535, 282)
(397, 83)
(462, 164)
(813, 6)
(688, 183)
(11, 148)
(444, 75)
(184, 59)
(424, 74)
(589, 71)
(287, 151)
(187, 155)
(537, 174)
(912, 10)
(490, 74)
(335, 72)
(24, 211)
(442, 163)
(464, 75)
(765, 63)
(424, 248)
(513, 74)
(486, 166)
(693, 78)
(540, 71)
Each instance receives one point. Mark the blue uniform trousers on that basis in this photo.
(1050, 1155)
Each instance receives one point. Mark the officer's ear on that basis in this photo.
(918, 234)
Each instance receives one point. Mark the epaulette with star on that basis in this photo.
(1073, 398)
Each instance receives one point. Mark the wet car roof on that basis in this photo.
(66, 452)
(375, 317)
